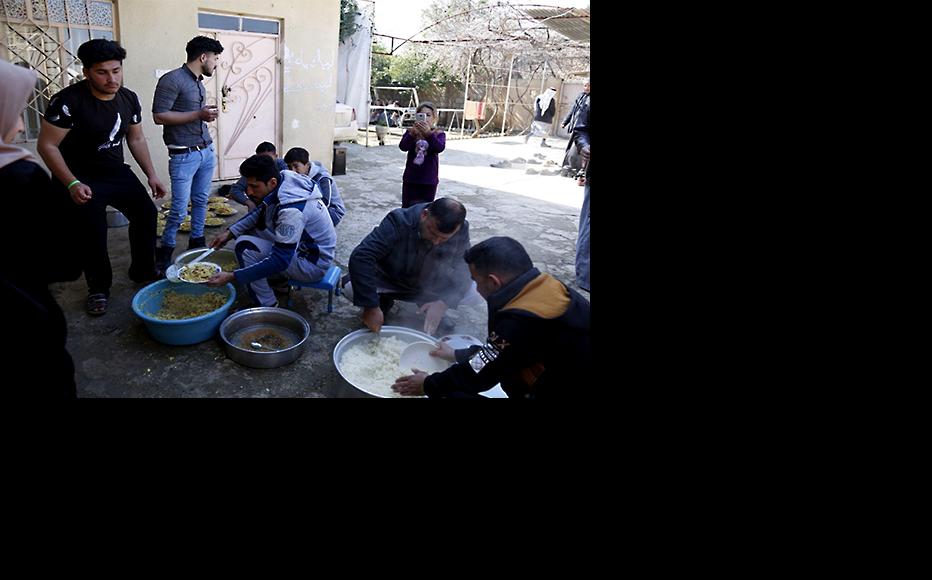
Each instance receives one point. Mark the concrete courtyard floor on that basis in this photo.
(115, 356)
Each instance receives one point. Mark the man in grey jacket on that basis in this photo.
(289, 232)
(180, 106)
(414, 255)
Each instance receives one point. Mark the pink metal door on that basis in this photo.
(246, 88)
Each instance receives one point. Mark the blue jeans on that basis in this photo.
(582, 244)
(191, 174)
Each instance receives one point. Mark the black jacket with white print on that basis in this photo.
(538, 344)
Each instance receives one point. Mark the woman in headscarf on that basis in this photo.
(544, 110)
(34, 323)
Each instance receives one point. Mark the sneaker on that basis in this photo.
(163, 258)
(280, 285)
(346, 290)
(195, 243)
(150, 276)
(501, 164)
(543, 143)
(96, 304)
(446, 326)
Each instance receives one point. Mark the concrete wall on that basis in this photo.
(155, 32)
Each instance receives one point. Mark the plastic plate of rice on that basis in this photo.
(198, 273)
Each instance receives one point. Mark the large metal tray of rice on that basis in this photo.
(368, 366)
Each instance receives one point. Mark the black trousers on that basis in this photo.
(122, 190)
(415, 193)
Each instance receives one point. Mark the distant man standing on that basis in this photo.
(180, 105)
(571, 160)
(544, 110)
(81, 142)
(581, 101)
(581, 138)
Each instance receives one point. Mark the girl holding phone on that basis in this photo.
(424, 143)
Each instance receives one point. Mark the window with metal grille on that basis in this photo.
(44, 35)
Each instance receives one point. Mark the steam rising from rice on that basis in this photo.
(374, 365)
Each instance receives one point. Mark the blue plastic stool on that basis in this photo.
(330, 282)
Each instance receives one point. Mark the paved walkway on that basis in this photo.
(115, 356)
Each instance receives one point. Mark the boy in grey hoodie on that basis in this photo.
(289, 232)
(299, 161)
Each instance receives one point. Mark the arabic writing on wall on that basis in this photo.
(303, 74)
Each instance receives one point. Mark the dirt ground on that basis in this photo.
(115, 356)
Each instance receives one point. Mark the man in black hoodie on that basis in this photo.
(538, 345)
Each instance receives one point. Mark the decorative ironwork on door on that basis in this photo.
(45, 35)
(245, 87)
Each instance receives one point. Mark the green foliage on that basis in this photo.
(380, 66)
(348, 26)
(417, 69)
(413, 68)
(417, 66)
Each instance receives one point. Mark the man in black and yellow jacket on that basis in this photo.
(538, 344)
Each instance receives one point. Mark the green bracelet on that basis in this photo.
(70, 185)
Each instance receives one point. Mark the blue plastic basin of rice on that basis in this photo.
(148, 301)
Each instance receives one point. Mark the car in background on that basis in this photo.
(345, 127)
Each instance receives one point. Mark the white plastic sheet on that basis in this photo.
(353, 75)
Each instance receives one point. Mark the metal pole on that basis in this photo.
(543, 72)
(369, 80)
(465, 95)
(507, 95)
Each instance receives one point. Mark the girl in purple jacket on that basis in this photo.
(422, 171)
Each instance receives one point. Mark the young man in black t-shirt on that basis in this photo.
(81, 141)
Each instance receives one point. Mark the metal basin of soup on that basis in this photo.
(265, 338)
